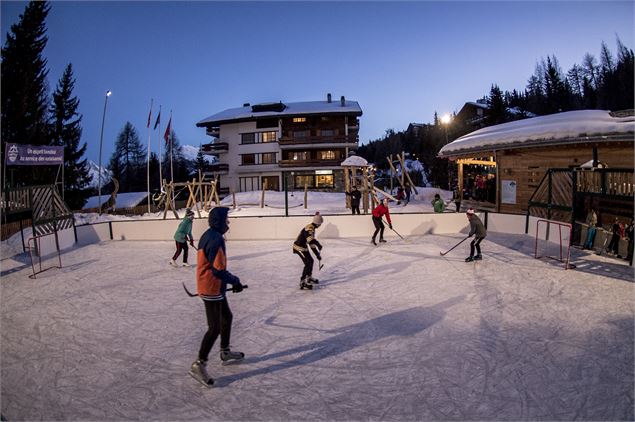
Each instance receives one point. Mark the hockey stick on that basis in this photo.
(446, 252)
(190, 294)
(402, 238)
(320, 264)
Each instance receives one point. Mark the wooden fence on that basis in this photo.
(9, 229)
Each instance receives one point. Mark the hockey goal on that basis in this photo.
(553, 240)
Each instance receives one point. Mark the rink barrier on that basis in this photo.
(287, 228)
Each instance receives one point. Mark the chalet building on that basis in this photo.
(305, 142)
(473, 114)
(554, 166)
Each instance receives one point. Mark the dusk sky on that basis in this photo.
(401, 61)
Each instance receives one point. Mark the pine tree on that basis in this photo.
(66, 131)
(25, 90)
(128, 161)
(201, 162)
(497, 112)
(179, 163)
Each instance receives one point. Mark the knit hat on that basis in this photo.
(470, 211)
(317, 219)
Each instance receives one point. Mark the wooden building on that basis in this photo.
(515, 158)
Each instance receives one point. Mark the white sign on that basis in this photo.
(508, 192)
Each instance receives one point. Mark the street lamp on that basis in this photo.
(101, 141)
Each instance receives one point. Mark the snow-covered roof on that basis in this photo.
(355, 160)
(554, 129)
(291, 109)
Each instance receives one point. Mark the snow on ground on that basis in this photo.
(395, 332)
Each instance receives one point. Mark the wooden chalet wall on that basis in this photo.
(527, 166)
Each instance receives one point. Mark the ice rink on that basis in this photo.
(395, 332)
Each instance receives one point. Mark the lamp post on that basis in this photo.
(445, 120)
(101, 141)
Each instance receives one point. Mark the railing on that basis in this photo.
(343, 139)
(308, 163)
(617, 182)
(217, 168)
(217, 147)
(213, 131)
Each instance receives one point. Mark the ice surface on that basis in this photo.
(395, 332)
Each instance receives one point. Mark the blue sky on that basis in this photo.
(401, 61)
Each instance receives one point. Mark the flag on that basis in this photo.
(149, 117)
(158, 120)
(166, 135)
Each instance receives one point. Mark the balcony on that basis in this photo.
(215, 148)
(309, 163)
(217, 168)
(213, 131)
(318, 140)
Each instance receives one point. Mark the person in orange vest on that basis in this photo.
(379, 211)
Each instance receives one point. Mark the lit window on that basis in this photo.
(269, 158)
(298, 156)
(269, 136)
(325, 181)
(327, 155)
(299, 119)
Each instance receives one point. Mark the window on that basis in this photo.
(327, 132)
(301, 180)
(271, 182)
(327, 155)
(268, 158)
(269, 136)
(324, 118)
(248, 184)
(300, 133)
(248, 159)
(298, 156)
(248, 138)
(324, 181)
(299, 119)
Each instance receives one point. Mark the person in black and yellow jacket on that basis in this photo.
(212, 278)
(306, 239)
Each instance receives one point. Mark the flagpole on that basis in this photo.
(160, 163)
(171, 148)
(148, 163)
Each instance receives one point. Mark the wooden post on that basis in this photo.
(347, 187)
(233, 198)
(365, 176)
(305, 195)
(262, 195)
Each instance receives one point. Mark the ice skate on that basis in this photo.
(382, 241)
(185, 264)
(173, 263)
(199, 373)
(305, 284)
(478, 257)
(314, 280)
(469, 259)
(227, 356)
(373, 241)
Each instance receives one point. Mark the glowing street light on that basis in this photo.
(101, 141)
(446, 119)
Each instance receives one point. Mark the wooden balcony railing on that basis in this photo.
(309, 163)
(215, 148)
(338, 139)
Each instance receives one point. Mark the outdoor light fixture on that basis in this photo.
(101, 141)
(445, 119)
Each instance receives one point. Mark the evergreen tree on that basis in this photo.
(554, 87)
(201, 162)
(179, 163)
(128, 161)
(155, 183)
(66, 131)
(497, 112)
(25, 90)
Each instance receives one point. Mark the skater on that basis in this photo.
(400, 195)
(617, 233)
(408, 190)
(306, 239)
(437, 203)
(478, 231)
(592, 221)
(355, 197)
(379, 211)
(181, 237)
(629, 231)
(212, 278)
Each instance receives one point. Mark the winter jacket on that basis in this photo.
(307, 239)
(381, 210)
(438, 204)
(592, 219)
(184, 230)
(212, 276)
(355, 197)
(476, 227)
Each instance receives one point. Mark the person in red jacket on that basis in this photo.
(379, 211)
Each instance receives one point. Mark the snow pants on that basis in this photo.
(307, 259)
(219, 321)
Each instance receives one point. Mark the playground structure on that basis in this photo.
(201, 191)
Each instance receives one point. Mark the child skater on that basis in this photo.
(306, 239)
(477, 229)
(183, 233)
